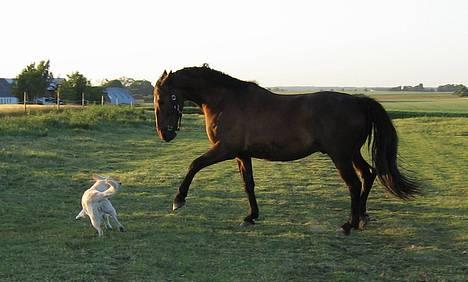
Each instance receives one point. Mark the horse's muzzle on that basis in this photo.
(167, 135)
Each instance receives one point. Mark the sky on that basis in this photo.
(276, 43)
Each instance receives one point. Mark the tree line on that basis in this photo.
(455, 88)
(36, 81)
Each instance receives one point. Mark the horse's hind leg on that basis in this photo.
(368, 176)
(347, 172)
(245, 169)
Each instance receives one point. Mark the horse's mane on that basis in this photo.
(211, 76)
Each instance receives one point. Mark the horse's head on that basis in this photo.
(168, 104)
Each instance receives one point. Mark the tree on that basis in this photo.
(141, 88)
(34, 80)
(397, 88)
(126, 81)
(419, 88)
(112, 83)
(462, 91)
(449, 87)
(73, 87)
(94, 94)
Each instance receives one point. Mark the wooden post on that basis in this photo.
(102, 100)
(24, 100)
(58, 99)
(82, 99)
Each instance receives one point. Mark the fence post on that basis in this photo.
(24, 100)
(82, 99)
(102, 100)
(58, 99)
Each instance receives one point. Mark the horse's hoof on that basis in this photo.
(121, 229)
(361, 225)
(247, 223)
(346, 228)
(363, 222)
(177, 205)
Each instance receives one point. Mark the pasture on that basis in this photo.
(47, 159)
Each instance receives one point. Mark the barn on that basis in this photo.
(6, 95)
(117, 96)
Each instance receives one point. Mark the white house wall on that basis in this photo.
(8, 100)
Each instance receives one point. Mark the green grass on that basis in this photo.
(47, 159)
(442, 103)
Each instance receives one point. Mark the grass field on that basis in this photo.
(423, 102)
(47, 159)
(418, 103)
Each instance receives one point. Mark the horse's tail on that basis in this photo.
(383, 145)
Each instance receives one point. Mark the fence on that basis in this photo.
(58, 101)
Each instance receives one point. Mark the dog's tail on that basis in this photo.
(106, 194)
(81, 214)
(109, 192)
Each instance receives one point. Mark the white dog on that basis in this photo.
(96, 204)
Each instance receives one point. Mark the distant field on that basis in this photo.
(47, 159)
(422, 102)
(430, 102)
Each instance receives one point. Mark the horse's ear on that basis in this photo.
(170, 72)
(161, 79)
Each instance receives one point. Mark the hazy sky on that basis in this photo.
(322, 43)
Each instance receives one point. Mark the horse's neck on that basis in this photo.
(194, 96)
(203, 98)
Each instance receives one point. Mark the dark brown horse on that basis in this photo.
(244, 121)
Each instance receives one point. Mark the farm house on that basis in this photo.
(117, 96)
(6, 95)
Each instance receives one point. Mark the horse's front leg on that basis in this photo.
(215, 155)
(245, 169)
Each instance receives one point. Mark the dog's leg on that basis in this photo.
(96, 222)
(80, 215)
(109, 209)
(109, 226)
(114, 217)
